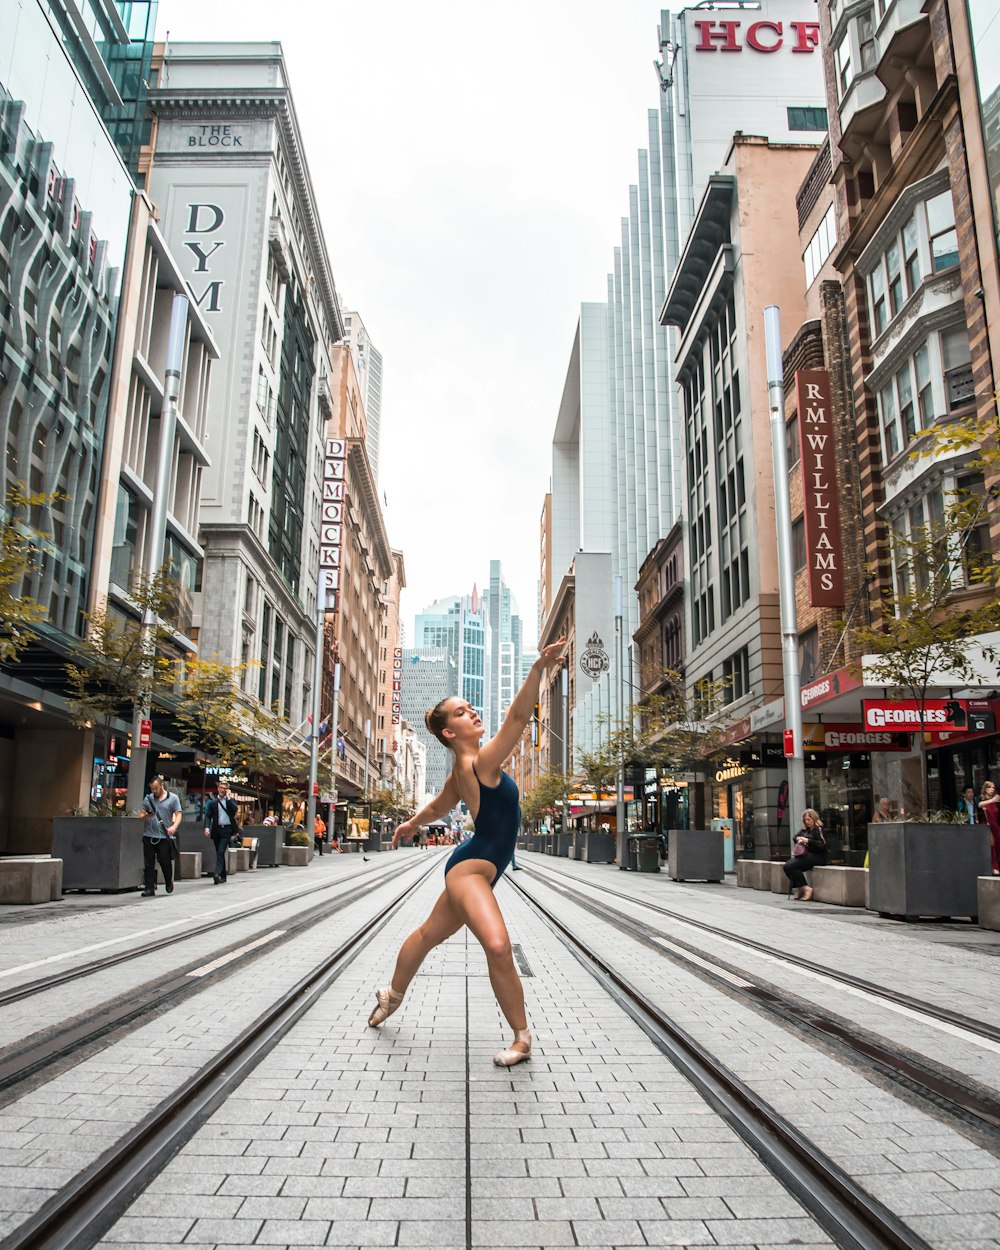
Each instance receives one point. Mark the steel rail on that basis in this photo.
(80, 1213)
(29, 988)
(944, 1014)
(972, 1106)
(854, 1218)
(32, 1055)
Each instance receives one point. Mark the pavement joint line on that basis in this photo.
(221, 962)
(909, 1013)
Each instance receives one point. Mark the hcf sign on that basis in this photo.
(763, 36)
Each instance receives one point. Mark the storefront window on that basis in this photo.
(841, 791)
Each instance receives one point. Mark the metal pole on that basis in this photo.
(619, 716)
(334, 727)
(158, 518)
(565, 746)
(786, 566)
(368, 742)
(317, 692)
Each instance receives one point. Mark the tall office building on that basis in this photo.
(429, 675)
(368, 363)
(505, 646)
(460, 624)
(237, 205)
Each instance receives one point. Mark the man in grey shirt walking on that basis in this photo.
(162, 813)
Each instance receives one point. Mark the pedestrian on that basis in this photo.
(473, 869)
(968, 805)
(989, 814)
(162, 816)
(319, 833)
(270, 819)
(883, 813)
(808, 850)
(221, 826)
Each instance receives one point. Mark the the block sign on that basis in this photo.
(397, 684)
(332, 522)
(824, 550)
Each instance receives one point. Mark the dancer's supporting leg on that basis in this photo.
(439, 925)
(473, 900)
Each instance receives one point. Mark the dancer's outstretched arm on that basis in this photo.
(444, 802)
(492, 756)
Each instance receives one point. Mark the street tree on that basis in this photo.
(20, 553)
(546, 796)
(208, 716)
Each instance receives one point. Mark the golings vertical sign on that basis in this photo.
(824, 549)
(331, 523)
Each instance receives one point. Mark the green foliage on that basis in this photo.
(20, 551)
(390, 802)
(680, 727)
(541, 800)
(120, 662)
(297, 837)
(208, 717)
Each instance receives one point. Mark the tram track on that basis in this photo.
(81, 1212)
(64, 1045)
(971, 1106)
(28, 989)
(854, 1218)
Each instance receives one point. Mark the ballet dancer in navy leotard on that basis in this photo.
(474, 868)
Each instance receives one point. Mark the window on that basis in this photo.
(792, 441)
(799, 544)
(877, 294)
(892, 442)
(911, 254)
(941, 231)
(820, 245)
(844, 65)
(866, 40)
(809, 654)
(958, 384)
(894, 273)
(736, 676)
(802, 118)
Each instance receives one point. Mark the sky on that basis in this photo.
(471, 164)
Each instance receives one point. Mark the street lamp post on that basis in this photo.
(786, 562)
(565, 746)
(619, 713)
(317, 698)
(334, 726)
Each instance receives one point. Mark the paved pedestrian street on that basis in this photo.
(409, 1136)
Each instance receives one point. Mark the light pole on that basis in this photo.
(619, 713)
(565, 746)
(368, 742)
(334, 724)
(317, 694)
(158, 523)
(786, 564)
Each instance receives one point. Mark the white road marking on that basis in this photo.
(221, 962)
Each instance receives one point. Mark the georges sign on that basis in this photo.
(951, 715)
(824, 550)
(760, 36)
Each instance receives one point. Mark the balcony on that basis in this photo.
(860, 113)
(900, 31)
(278, 243)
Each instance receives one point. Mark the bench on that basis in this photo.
(988, 894)
(754, 874)
(295, 856)
(840, 885)
(30, 879)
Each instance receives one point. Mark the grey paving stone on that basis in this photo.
(676, 1233)
(223, 1232)
(801, 1232)
(293, 1233)
(150, 1229)
(522, 1233)
(362, 1233)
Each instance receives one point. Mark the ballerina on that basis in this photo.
(475, 866)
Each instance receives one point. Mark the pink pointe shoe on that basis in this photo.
(518, 1052)
(387, 1001)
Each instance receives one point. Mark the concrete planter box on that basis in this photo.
(600, 848)
(99, 852)
(696, 855)
(988, 890)
(844, 886)
(560, 843)
(270, 839)
(926, 870)
(754, 874)
(30, 879)
(296, 856)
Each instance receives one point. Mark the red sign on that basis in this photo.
(145, 734)
(823, 689)
(820, 503)
(898, 715)
(789, 740)
(760, 37)
(854, 737)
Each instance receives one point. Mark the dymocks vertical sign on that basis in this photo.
(332, 521)
(824, 549)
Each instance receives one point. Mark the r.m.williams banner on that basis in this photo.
(824, 550)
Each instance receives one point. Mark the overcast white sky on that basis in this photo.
(472, 163)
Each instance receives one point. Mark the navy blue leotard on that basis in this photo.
(496, 827)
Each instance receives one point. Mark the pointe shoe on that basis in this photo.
(514, 1054)
(807, 894)
(387, 1001)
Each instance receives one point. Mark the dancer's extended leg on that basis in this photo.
(440, 924)
(474, 901)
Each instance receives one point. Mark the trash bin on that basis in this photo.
(643, 853)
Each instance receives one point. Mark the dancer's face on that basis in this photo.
(464, 723)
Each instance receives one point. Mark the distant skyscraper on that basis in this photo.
(505, 646)
(460, 624)
(429, 675)
(368, 363)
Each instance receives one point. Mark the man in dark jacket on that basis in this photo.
(221, 825)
